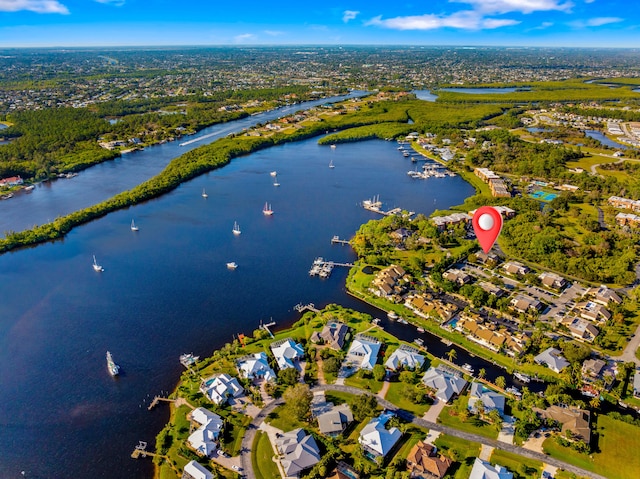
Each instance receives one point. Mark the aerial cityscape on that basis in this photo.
(349, 241)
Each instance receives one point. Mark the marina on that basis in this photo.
(323, 268)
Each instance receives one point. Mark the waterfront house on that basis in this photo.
(423, 462)
(204, 440)
(405, 357)
(490, 399)
(484, 470)
(553, 359)
(333, 334)
(335, 420)
(287, 353)
(593, 369)
(447, 382)
(298, 452)
(193, 470)
(11, 181)
(376, 439)
(363, 352)
(220, 388)
(256, 366)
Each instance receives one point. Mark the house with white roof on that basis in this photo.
(376, 439)
(287, 353)
(256, 366)
(363, 352)
(489, 399)
(298, 451)
(220, 388)
(553, 359)
(405, 357)
(446, 382)
(204, 440)
(484, 470)
(194, 470)
(636, 383)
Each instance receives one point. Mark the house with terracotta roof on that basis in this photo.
(424, 462)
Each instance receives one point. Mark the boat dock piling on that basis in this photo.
(267, 326)
(336, 239)
(375, 207)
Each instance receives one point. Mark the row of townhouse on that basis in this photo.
(387, 281)
(488, 336)
(624, 203)
(496, 183)
(628, 219)
(427, 307)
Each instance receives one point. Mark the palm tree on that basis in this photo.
(501, 382)
(452, 354)
(595, 402)
(482, 373)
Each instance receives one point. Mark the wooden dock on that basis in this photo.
(336, 240)
(300, 308)
(267, 326)
(156, 400)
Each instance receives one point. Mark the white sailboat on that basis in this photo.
(133, 226)
(232, 265)
(96, 266)
(273, 173)
(204, 193)
(267, 211)
(236, 228)
(275, 180)
(331, 164)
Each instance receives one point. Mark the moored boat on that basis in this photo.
(522, 377)
(204, 193)
(96, 266)
(267, 210)
(232, 265)
(114, 369)
(468, 368)
(133, 226)
(236, 229)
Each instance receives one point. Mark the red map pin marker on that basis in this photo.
(487, 223)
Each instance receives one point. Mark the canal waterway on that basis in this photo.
(59, 197)
(166, 290)
(598, 135)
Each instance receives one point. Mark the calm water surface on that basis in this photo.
(100, 182)
(598, 135)
(165, 291)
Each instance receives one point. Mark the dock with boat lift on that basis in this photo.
(323, 268)
(267, 326)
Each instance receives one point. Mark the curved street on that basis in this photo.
(247, 440)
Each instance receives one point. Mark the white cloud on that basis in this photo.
(522, 6)
(349, 15)
(595, 22)
(244, 37)
(542, 26)
(115, 3)
(37, 6)
(465, 20)
(273, 33)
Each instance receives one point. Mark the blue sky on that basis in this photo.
(582, 23)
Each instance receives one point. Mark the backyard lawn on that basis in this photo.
(464, 452)
(616, 450)
(521, 467)
(262, 458)
(472, 425)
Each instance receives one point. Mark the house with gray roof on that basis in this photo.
(484, 470)
(335, 420)
(553, 359)
(405, 357)
(363, 352)
(298, 451)
(636, 384)
(445, 381)
(288, 353)
(194, 470)
(490, 400)
(333, 334)
(376, 439)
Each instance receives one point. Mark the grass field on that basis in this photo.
(464, 453)
(262, 458)
(472, 425)
(284, 419)
(616, 450)
(394, 395)
(521, 467)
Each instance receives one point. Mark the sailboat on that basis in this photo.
(96, 266)
(133, 226)
(331, 164)
(275, 180)
(232, 265)
(273, 173)
(236, 228)
(267, 211)
(204, 193)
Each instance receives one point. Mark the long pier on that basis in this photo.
(267, 326)
(376, 207)
(156, 400)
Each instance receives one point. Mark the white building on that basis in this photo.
(404, 357)
(220, 388)
(256, 366)
(204, 440)
(287, 353)
(484, 470)
(363, 352)
(376, 439)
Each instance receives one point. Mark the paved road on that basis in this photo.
(247, 440)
